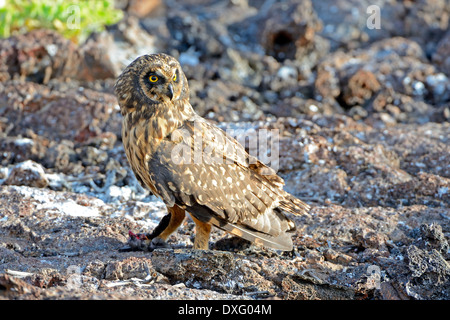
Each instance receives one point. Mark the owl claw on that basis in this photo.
(158, 243)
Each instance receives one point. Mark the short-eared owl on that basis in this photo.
(227, 187)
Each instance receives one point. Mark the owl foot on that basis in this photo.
(143, 242)
(158, 243)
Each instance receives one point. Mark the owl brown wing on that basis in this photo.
(202, 169)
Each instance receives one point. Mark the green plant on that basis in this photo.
(75, 19)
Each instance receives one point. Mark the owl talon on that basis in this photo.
(158, 243)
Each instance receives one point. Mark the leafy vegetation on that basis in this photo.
(75, 19)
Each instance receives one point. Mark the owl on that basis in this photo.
(194, 166)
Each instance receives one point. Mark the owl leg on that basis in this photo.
(176, 218)
(150, 241)
(202, 231)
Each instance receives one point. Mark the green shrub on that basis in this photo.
(75, 19)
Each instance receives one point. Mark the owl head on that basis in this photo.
(151, 80)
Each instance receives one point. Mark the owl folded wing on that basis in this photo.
(208, 173)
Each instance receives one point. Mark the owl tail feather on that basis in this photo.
(280, 242)
(293, 205)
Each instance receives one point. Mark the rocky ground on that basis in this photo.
(362, 117)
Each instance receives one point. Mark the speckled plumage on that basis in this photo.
(222, 185)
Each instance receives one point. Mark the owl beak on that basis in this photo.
(170, 91)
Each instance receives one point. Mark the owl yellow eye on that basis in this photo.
(174, 78)
(153, 78)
